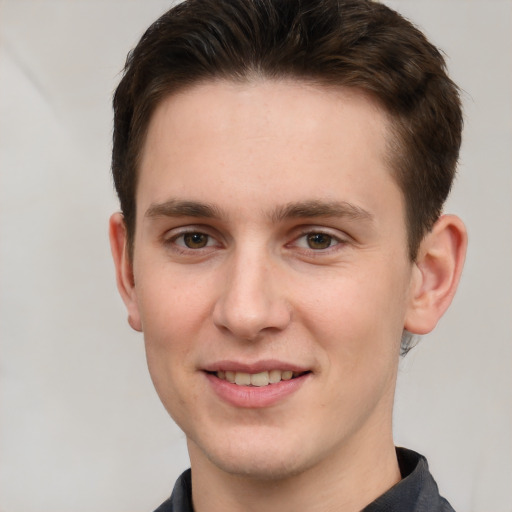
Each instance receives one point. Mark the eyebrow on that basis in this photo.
(294, 210)
(319, 208)
(180, 208)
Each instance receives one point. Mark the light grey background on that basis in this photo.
(81, 427)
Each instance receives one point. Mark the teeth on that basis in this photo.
(256, 379)
(242, 379)
(274, 376)
(259, 379)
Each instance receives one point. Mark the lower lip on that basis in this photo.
(254, 397)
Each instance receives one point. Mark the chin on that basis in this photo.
(259, 468)
(262, 459)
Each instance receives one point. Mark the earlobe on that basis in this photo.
(436, 274)
(124, 269)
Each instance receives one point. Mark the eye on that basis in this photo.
(193, 240)
(320, 240)
(316, 241)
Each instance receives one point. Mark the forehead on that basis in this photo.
(284, 140)
(256, 105)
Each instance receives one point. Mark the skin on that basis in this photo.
(276, 163)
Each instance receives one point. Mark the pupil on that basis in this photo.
(319, 241)
(195, 240)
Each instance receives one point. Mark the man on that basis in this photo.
(281, 167)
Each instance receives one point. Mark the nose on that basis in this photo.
(252, 300)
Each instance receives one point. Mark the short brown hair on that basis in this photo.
(349, 43)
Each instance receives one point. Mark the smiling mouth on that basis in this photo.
(260, 379)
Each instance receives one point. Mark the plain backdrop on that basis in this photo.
(81, 427)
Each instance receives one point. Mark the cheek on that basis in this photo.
(168, 340)
(358, 329)
(359, 318)
(171, 303)
(172, 313)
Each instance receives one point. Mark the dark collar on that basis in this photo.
(416, 492)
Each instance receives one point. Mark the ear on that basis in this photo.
(437, 271)
(124, 269)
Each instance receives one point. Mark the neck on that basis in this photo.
(347, 481)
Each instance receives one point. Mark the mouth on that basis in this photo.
(256, 385)
(260, 379)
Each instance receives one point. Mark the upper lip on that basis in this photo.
(254, 367)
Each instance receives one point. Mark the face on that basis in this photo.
(270, 273)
